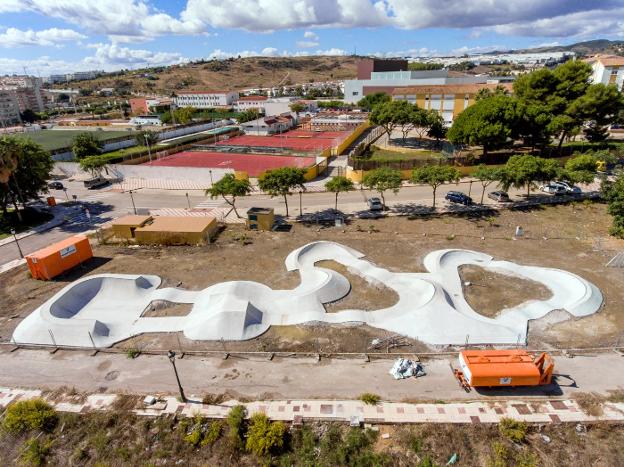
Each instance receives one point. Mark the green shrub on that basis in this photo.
(500, 455)
(213, 433)
(526, 458)
(133, 353)
(513, 430)
(427, 462)
(369, 398)
(34, 451)
(235, 421)
(264, 437)
(303, 443)
(34, 414)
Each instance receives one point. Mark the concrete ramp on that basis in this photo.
(104, 309)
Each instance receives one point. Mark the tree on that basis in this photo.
(264, 436)
(247, 116)
(31, 174)
(581, 168)
(297, 107)
(229, 185)
(486, 175)
(9, 153)
(184, 115)
(279, 182)
(369, 102)
(389, 115)
(436, 130)
(28, 116)
(338, 185)
(434, 176)
(599, 107)
(93, 164)
(613, 193)
(383, 179)
(523, 170)
(146, 138)
(86, 144)
(499, 90)
(489, 122)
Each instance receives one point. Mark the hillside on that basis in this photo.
(236, 74)
(598, 46)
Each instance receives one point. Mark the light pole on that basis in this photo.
(188, 201)
(132, 199)
(300, 202)
(65, 191)
(17, 243)
(149, 151)
(210, 172)
(171, 355)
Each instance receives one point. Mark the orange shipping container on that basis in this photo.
(488, 368)
(51, 261)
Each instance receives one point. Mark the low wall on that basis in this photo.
(351, 138)
(121, 172)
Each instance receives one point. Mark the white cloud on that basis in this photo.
(422, 52)
(311, 35)
(112, 55)
(579, 24)
(332, 51)
(116, 18)
(14, 37)
(307, 44)
(270, 15)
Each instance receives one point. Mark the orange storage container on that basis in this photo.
(487, 368)
(51, 261)
(51, 201)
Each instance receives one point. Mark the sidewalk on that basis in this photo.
(350, 411)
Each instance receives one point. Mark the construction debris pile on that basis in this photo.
(404, 368)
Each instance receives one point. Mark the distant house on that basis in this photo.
(268, 125)
(250, 103)
(206, 99)
(607, 70)
(145, 120)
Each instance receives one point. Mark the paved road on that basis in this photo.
(287, 378)
(105, 204)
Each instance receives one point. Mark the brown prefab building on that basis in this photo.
(260, 218)
(183, 230)
(124, 227)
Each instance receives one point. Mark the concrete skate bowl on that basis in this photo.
(98, 289)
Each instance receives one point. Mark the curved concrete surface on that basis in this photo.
(107, 308)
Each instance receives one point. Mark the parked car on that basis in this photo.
(499, 196)
(95, 182)
(458, 197)
(553, 189)
(569, 188)
(55, 186)
(375, 204)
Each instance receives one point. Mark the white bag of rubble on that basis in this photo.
(404, 368)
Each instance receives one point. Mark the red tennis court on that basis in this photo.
(284, 141)
(253, 164)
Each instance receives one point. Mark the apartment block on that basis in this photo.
(206, 99)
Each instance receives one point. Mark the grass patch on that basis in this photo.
(590, 403)
(385, 155)
(513, 430)
(369, 398)
(57, 139)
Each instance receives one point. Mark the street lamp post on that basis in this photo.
(171, 355)
(149, 151)
(188, 201)
(65, 191)
(132, 199)
(210, 172)
(17, 243)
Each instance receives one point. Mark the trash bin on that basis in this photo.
(51, 201)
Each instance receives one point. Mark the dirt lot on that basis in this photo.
(572, 237)
(484, 289)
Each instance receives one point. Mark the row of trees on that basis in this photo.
(546, 104)
(520, 171)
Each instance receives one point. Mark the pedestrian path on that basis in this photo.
(210, 203)
(97, 196)
(349, 411)
(158, 184)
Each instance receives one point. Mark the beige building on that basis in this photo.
(184, 230)
(448, 99)
(9, 109)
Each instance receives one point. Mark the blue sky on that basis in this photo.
(55, 36)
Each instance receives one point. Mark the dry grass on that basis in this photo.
(490, 292)
(590, 403)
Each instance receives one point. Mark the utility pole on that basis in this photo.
(132, 199)
(171, 355)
